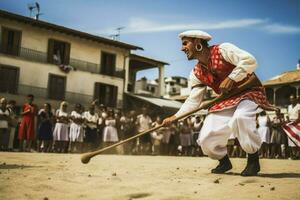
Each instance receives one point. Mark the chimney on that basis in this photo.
(298, 65)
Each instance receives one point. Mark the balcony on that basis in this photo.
(39, 56)
(39, 92)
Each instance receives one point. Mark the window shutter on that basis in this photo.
(114, 96)
(97, 91)
(17, 42)
(113, 64)
(50, 50)
(4, 40)
(67, 53)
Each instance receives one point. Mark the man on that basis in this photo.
(144, 122)
(11, 106)
(4, 122)
(223, 68)
(294, 115)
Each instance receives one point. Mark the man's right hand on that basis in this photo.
(169, 120)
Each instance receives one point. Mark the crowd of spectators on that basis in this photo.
(78, 129)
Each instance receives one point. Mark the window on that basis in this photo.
(106, 94)
(108, 63)
(58, 52)
(56, 87)
(11, 41)
(9, 78)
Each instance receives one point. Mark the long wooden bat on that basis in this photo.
(253, 81)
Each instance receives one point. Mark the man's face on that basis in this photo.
(30, 99)
(292, 100)
(188, 48)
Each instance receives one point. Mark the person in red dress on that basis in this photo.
(26, 130)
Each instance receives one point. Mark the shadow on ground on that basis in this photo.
(271, 175)
(15, 166)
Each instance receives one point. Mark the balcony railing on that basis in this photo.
(85, 66)
(39, 56)
(39, 92)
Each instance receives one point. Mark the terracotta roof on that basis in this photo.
(55, 27)
(284, 78)
(136, 56)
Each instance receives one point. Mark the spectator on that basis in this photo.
(263, 130)
(91, 134)
(76, 129)
(45, 128)
(61, 130)
(129, 131)
(278, 137)
(11, 106)
(293, 113)
(144, 123)
(4, 121)
(165, 142)
(26, 130)
(110, 133)
(157, 136)
(174, 141)
(185, 137)
(197, 125)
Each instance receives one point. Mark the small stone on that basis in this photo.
(262, 186)
(45, 198)
(195, 192)
(7, 178)
(258, 196)
(272, 188)
(217, 181)
(177, 168)
(242, 184)
(114, 174)
(195, 170)
(4, 163)
(89, 175)
(49, 178)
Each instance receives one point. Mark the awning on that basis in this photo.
(158, 101)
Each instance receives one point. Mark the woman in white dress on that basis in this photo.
(110, 133)
(76, 129)
(61, 130)
(263, 130)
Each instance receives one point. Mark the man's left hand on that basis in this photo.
(227, 85)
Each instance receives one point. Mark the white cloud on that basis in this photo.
(140, 25)
(280, 28)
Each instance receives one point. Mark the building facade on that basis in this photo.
(174, 84)
(55, 63)
(281, 87)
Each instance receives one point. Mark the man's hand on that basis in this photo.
(227, 85)
(168, 120)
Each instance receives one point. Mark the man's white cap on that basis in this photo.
(195, 34)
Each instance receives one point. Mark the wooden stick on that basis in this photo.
(251, 82)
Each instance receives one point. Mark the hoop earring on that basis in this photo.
(199, 48)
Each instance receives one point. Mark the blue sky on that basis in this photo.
(270, 30)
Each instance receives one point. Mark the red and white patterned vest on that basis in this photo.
(217, 71)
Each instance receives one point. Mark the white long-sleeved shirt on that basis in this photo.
(245, 64)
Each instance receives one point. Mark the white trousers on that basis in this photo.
(239, 121)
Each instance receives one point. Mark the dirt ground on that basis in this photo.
(112, 177)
